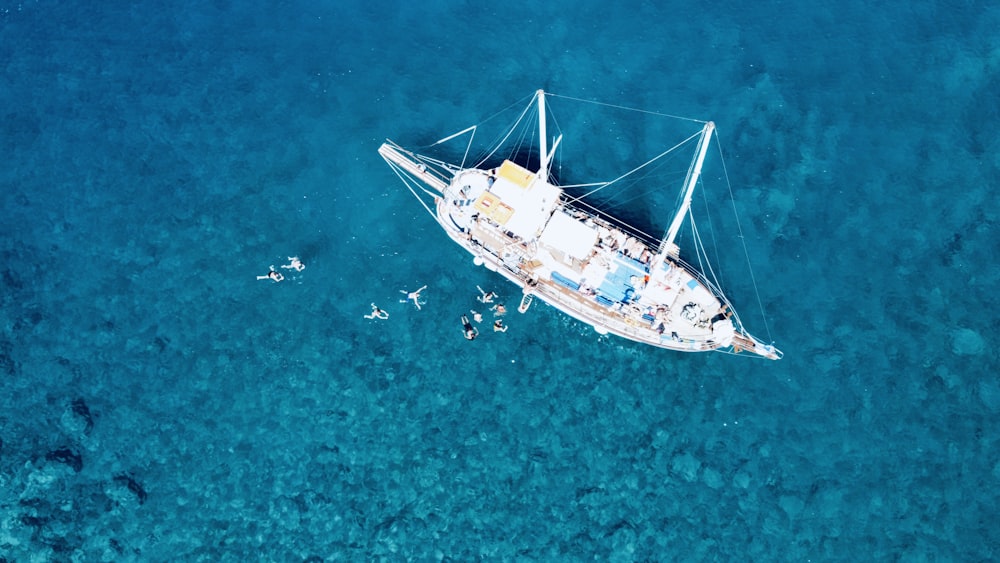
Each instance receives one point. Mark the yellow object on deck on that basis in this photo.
(491, 206)
(515, 174)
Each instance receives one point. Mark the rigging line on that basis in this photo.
(707, 267)
(635, 197)
(406, 182)
(591, 184)
(618, 223)
(468, 146)
(698, 247)
(626, 108)
(509, 133)
(512, 104)
(747, 357)
(524, 143)
(699, 252)
(483, 154)
(453, 135)
(552, 116)
(711, 229)
(640, 167)
(743, 239)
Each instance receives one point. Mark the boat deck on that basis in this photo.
(590, 266)
(610, 283)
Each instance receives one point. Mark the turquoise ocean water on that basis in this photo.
(160, 403)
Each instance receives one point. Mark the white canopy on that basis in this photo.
(525, 202)
(569, 235)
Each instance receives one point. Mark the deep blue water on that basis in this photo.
(159, 403)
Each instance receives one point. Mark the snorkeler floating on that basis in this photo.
(486, 297)
(294, 264)
(470, 332)
(377, 313)
(412, 296)
(272, 275)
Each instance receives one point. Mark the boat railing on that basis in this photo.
(565, 298)
(715, 289)
(650, 244)
(584, 308)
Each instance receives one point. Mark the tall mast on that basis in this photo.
(694, 172)
(543, 151)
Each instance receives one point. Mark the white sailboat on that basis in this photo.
(599, 270)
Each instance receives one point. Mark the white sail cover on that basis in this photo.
(526, 202)
(569, 235)
(723, 332)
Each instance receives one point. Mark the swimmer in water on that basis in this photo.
(294, 264)
(486, 297)
(469, 331)
(413, 296)
(273, 275)
(377, 313)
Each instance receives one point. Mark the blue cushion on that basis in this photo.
(559, 278)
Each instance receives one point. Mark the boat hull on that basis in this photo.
(588, 266)
(616, 305)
